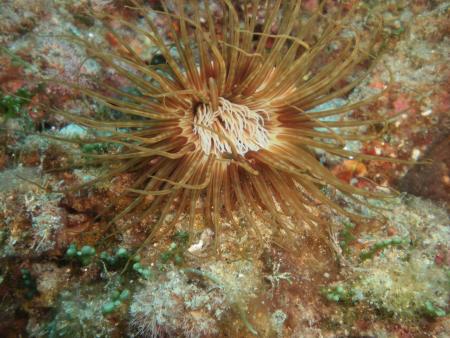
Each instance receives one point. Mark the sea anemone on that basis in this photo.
(224, 124)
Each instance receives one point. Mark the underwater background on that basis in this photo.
(63, 275)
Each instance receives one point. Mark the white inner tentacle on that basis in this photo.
(241, 125)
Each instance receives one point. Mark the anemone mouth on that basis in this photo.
(230, 128)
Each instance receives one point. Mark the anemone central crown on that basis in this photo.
(229, 126)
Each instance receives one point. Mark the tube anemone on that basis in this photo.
(224, 126)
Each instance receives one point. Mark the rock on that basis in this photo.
(431, 180)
